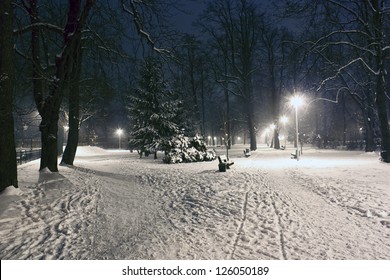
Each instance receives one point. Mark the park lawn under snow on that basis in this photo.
(112, 205)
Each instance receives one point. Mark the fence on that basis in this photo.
(23, 156)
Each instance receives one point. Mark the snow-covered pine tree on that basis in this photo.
(152, 110)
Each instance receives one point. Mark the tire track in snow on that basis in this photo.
(244, 216)
(280, 229)
(261, 232)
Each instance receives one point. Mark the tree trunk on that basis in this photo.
(46, 106)
(191, 60)
(381, 101)
(74, 111)
(49, 128)
(8, 169)
(252, 135)
(368, 124)
(276, 137)
(202, 78)
(249, 100)
(227, 99)
(251, 128)
(74, 123)
(344, 120)
(49, 106)
(382, 114)
(275, 99)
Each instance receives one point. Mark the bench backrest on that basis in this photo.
(222, 158)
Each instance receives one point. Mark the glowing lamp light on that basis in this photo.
(296, 101)
(119, 131)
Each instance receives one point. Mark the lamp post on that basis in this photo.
(296, 101)
(119, 132)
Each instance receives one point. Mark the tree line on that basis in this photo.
(82, 62)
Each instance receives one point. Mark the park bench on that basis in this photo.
(293, 155)
(224, 163)
(247, 152)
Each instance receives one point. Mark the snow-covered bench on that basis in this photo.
(224, 163)
(247, 152)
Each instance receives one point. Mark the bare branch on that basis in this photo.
(42, 25)
(140, 28)
(346, 66)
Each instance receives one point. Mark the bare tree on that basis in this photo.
(273, 54)
(66, 62)
(359, 28)
(237, 22)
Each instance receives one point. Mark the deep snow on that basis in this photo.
(112, 205)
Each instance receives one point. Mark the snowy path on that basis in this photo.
(116, 206)
(52, 217)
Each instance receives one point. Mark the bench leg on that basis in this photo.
(222, 167)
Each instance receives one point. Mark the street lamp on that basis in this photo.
(296, 101)
(119, 132)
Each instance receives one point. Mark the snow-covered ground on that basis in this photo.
(113, 205)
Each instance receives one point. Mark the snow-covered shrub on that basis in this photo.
(187, 149)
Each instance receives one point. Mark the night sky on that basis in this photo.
(189, 10)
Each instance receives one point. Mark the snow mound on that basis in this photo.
(11, 190)
(45, 170)
(90, 150)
